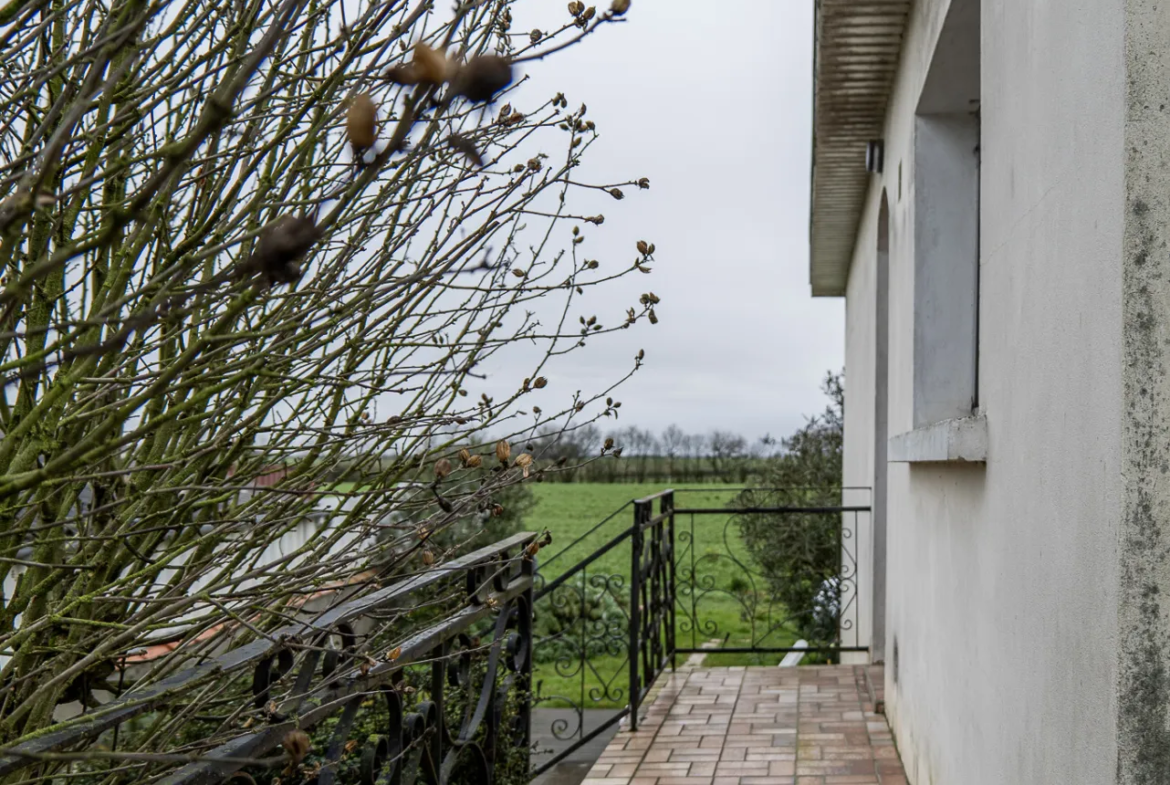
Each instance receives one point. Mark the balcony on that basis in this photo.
(470, 684)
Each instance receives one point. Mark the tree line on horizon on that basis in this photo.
(588, 453)
(672, 455)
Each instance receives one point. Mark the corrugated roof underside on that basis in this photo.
(858, 45)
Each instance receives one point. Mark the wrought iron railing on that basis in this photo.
(692, 587)
(450, 703)
(620, 628)
(732, 601)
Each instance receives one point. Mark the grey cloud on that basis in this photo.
(712, 102)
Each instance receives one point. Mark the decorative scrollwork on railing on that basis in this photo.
(447, 705)
(602, 645)
(444, 741)
(603, 637)
(582, 640)
(766, 606)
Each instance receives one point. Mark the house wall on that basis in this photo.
(858, 458)
(1002, 615)
(1143, 650)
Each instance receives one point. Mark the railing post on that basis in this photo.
(434, 743)
(640, 517)
(836, 657)
(525, 611)
(671, 599)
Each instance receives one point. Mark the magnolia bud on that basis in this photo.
(503, 451)
(467, 147)
(433, 66)
(524, 462)
(482, 78)
(280, 245)
(361, 122)
(428, 67)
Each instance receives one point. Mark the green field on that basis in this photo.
(730, 605)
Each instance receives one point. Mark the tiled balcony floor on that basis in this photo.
(756, 726)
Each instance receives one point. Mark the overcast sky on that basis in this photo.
(712, 101)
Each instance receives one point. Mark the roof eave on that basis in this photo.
(858, 44)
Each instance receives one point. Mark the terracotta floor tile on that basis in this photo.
(756, 726)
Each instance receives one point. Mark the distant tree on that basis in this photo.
(696, 450)
(800, 554)
(727, 451)
(575, 444)
(673, 442)
(572, 453)
(640, 447)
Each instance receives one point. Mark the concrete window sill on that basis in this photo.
(951, 441)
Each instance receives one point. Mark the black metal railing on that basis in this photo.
(693, 586)
(735, 599)
(652, 612)
(450, 703)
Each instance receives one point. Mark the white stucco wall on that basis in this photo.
(858, 460)
(1003, 579)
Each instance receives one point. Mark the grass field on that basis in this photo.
(729, 607)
